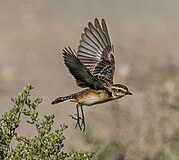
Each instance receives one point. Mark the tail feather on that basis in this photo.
(60, 99)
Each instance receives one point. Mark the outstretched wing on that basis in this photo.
(96, 51)
(83, 76)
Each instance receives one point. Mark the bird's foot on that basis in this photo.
(80, 122)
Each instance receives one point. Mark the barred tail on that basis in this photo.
(60, 99)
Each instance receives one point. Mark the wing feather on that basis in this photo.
(83, 76)
(96, 51)
(106, 31)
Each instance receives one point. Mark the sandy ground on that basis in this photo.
(145, 35)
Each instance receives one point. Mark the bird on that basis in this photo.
(92, 66)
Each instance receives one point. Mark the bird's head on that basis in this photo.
(119, 90)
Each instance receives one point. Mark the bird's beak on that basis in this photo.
(129, 93)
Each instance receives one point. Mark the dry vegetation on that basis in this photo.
(146, 39)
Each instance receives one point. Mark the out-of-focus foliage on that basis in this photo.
(113, 150)
(116, 150)
(175, 143)
(47, 145)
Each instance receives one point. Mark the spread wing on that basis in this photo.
(83, 76)
(96, 51)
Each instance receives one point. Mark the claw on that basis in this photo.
(78, 121)
(75, 118)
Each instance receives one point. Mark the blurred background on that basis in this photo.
(145, 35)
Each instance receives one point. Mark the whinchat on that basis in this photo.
(93, 68)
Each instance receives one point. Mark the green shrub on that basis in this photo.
(46, 145)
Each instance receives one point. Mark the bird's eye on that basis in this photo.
(114, 89)
(119, 90)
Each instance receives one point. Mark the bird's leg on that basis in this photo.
(82, 119)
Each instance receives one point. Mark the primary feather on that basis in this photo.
(96, 51)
